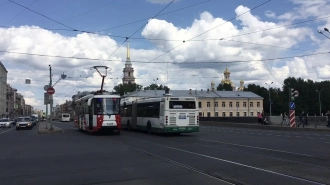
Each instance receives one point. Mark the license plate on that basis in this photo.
(182, 116)
(109, 124)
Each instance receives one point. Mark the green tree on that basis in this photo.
(155, 87)
(226, 87)
(121, 89)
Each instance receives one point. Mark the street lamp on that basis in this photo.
(155, 80)
(319, 98)
(270, 101)
(325, 29)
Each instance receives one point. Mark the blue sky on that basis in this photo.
(98, 15)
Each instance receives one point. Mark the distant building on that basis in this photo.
(227, 80)
(128, 69)
(28, 110)
(10, 109)
(3, 90)
(212, 103)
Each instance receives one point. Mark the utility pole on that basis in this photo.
(320, 100)
(51, 100)
(270, 101)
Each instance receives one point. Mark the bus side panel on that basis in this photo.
(134, 116)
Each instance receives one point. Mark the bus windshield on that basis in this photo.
(106, 106)
(65, 115)
(182, 105)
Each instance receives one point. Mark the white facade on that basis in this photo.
(3, 90)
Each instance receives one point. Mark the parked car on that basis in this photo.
(24, 122)
(5, 122)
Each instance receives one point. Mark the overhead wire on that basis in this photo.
(207, 31)
(19, 13)
(127, 38)
(126, 24)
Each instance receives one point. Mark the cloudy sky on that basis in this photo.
(188, 44)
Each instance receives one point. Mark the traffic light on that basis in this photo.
(294, 94)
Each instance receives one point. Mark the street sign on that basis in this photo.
(46, 87)
(46, 99)
(50, 90)
(15, 106)
(292, 106)
(296, 93)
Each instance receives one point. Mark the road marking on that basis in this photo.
(6, 131)
(261, 148)
(231, 162)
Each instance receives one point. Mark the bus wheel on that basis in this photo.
(149, 128)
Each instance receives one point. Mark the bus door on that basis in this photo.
(134, 115)
(90, 116)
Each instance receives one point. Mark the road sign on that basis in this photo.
(50, 90)
(296, 93)
(15, 106)
(46, 99)
(292, 106)
(46, 87)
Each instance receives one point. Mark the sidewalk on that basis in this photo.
(269, 127)
(43, 130)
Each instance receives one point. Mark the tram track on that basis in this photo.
(219, 159)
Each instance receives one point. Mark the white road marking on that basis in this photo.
(261, 148)
(6, 131)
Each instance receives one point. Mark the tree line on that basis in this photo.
(310, 92)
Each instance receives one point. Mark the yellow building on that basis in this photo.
(214, 103)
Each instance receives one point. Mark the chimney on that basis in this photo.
(189, 91)
(201, 91)
(208, 90)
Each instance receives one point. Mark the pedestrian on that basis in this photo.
(259, 118)
(284, 119)
(262, 117)
(301, 119)
(328, 118)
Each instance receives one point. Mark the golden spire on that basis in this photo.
(128, 55)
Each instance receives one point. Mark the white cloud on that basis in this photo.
(270, 13)
(208, 48)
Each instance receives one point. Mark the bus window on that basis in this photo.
(182, 105)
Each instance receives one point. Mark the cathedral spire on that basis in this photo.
(128, 58)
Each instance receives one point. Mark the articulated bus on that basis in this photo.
(161, 115)
(97, 112)
(65, 117)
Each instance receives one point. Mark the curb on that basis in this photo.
(56, 130)
(266, 127)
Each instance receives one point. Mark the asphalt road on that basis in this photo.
(215, 155)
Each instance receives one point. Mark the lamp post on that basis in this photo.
(320, 99)
(155, 80)
(325, 29)
(270, 101)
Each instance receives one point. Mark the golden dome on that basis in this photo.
(227, 71)
(242, 81)
(212, 83)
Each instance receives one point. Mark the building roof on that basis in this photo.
(194, 93)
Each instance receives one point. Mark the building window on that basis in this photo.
(237, 114)
(208, 114)
(251, 113)
(216, 114)
(129, 73)
(231, 114)
(200, 104)
(223, 104)
(258, 104)
(244, 104)
(251, 104)
(215, 104)
(237, 104)
(200, 114)
(230, 104)
(224, 114)
(208, 104)
(245, 114)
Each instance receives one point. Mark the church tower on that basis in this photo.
(128, 69)
(227, 80)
